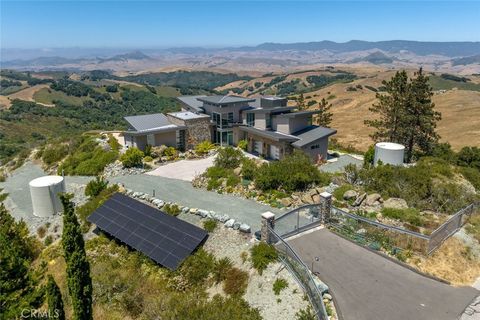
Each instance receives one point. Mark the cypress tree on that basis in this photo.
(78, 268)
(54, 300)
(301, 102)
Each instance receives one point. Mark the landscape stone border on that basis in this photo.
(225, 219)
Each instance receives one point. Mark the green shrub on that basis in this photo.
(147, 159)
(94, 187)
(209, 225)
(369, 156)
(86, 209)
(306, 314)
(54, 153)
(171, 153)
(132, 158)
(293, 173)
(148, 151)
(197, 268)
(222, 267)
(86, 158)
(228, 158)
(113, 143)
(249, 169)
(262, 254)
(469, 157)
(472, 175)
(171, 209)
(236, 282)
(204, 147)
(48, 240)
(338, 193)
(410, 215)
(279, 285)
(216, 174)
(243, 144)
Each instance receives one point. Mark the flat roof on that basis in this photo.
(274, 135)
(311, 134)
(187, 115)
(192, 102)
(271, 110)
(45, 181)
(224, 99)
(300, 113)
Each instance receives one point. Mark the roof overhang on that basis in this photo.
(164, 129)
(272, 135)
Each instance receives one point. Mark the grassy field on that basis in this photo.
(11, 90)
(48, 96)
(438, 83)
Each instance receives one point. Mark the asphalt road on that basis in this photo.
(367, 286)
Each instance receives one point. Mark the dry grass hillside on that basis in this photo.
(460, 124)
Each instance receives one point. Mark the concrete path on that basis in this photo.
(182, 192)
(184, 169)
(367, 286)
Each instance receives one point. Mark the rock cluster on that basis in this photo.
(116, 169)
(205, 214)
(374, 201)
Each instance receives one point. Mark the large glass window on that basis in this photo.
(251, 119)
(216, 118)
(230, 117)
(268, 121)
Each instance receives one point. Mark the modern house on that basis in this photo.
(271, 128)
(182, 130)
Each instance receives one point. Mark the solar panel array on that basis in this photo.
(164, 238)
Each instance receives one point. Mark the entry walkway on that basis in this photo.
(368, 286)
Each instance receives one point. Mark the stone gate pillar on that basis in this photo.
(326, 206)
(268, 220)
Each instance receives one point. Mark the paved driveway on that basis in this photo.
(184, 193)
(184, 170)
(367, 286)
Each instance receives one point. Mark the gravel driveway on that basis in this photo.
(184, 170)
(182, 192)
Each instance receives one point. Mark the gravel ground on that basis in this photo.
(342, 161)
(183, 193)
(19, 202)
(230, 243)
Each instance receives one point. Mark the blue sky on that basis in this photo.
(154, 24)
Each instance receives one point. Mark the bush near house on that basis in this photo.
(85, 210)
(410, 215)
(54, 153)
(249, 169)
(209, 225)
(243, 144)
(132, 158)
(228, 158)
(216, 174)
(292, 173)
(204, 147)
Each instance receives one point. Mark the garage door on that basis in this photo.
(258, 147)
(274, 152)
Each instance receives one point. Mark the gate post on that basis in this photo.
(325, 206)
(268, 220)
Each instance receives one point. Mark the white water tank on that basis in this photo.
(389, 153)
(44, 192)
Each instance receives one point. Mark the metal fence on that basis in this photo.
(301, 273)
(299, 220)
(452, 225)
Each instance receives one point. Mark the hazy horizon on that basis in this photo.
(159, 24)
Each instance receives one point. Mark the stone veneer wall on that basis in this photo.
(198, 130)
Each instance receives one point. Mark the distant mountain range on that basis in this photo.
(444, 56)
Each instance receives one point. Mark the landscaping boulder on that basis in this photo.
(359, 200)
(307, 198)
(203, 213)
(244, 228)
(224, 218)
(230, 223)
(185, 209)
(193, 210)
(372, 198)
(395, 203)
(286, 202)
(316, 198)
(350, 194)
(237, 171)
(236, 225)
